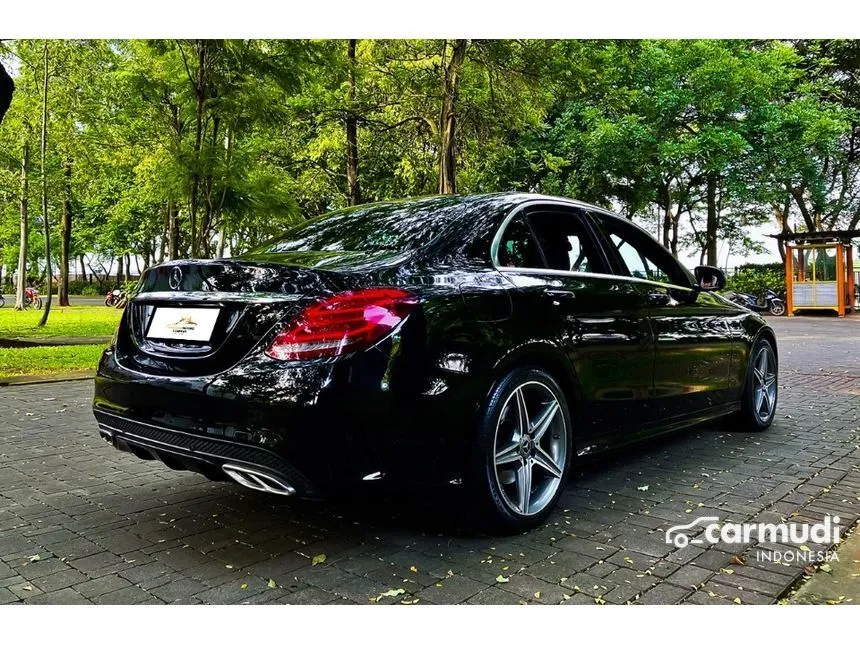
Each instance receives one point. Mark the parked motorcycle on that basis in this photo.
(2, 299)
(772, 302)
(32, 299)
(116, 298)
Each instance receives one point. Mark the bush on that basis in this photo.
(755, 279)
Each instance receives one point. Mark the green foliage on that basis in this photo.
(755, 279)
(237, 139)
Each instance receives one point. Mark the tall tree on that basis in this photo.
(44, 177)
(24, 227)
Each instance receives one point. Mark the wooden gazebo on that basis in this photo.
(819, 271)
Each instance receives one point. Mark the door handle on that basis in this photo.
(560, 294)
(659, 298)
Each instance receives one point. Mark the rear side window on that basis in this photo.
(565, 243)
(518, 247)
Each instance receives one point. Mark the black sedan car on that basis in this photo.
(480, 341)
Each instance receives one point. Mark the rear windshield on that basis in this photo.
(383, 227)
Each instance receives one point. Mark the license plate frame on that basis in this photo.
(185, 324)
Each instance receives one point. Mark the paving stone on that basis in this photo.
(664, 594)
(126, 596)
(127, 528)
(60, 580)
(59, 597)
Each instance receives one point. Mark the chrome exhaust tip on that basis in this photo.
(256, 480)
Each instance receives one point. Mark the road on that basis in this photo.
(83, 523)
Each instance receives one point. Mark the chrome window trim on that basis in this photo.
(585, 274)
(497, 240)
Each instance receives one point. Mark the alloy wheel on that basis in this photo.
(764, 384)
(530, 448)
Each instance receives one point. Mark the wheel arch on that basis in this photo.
(545, 356)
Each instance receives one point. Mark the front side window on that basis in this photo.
(641, 255)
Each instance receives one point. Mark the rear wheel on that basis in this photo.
(523, 451)
(37, 302)
(777, 307)
(758, 405)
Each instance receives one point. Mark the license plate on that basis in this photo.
(185, 323)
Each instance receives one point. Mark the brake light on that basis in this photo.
(342, 323)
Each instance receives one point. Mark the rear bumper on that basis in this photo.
(215, 458)
(317, 428)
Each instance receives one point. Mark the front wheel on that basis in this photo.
(758, 405)
(522, 453)
(777, 307)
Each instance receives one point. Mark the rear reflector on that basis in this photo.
(346, 322)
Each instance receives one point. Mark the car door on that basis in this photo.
(565, 278)
(693, 341)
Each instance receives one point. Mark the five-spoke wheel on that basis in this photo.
(523, 450)
(758, 405)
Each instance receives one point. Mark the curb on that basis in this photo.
(53, 341)
(37, 379)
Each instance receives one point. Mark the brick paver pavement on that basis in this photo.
(83, 523)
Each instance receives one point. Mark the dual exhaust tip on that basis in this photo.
(257, 480)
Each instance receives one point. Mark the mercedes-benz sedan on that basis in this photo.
(482, 341)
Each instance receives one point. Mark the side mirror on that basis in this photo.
(709, 278)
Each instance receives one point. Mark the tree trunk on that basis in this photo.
(448, 119)
(119, 271)
(173, 242)
(711, 232)
(666, 205)
(25, 229)
(66, 232)
(353, 189)
(222, 239)
(42, 153)
(83, 270)
(200, 89)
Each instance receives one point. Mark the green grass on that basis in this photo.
(63, 321)
(49, 359)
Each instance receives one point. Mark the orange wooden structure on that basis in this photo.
(819, 271)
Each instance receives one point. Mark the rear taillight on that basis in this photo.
(343, 323)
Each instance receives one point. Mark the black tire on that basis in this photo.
(777, 307)
(108, 301)
(488, 496)
(37, 303)
(752, 407)
(2, 301)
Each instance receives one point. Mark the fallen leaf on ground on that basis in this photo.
(737, 601)
(35, 558)
(391, 593)
(318, 559)
(537, 594)
(244, 585)
(272, 584)
(643, 488)
(501, 578)
(739, 559)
